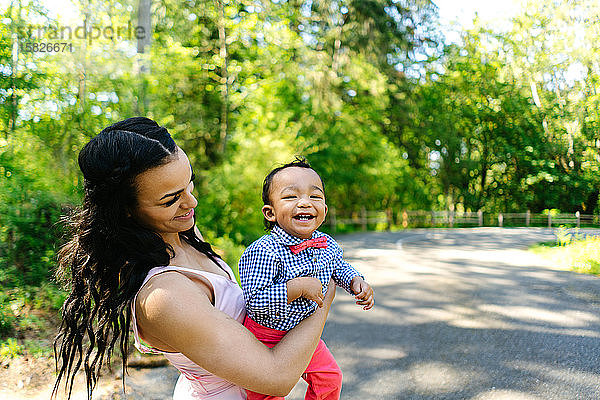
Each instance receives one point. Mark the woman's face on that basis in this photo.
(164, 195)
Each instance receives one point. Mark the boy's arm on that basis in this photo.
(351, 280)
(265, 298)
(343, 272)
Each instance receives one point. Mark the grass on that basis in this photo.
(578, 252)
(29, 318)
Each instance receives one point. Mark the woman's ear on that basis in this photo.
(269, 213)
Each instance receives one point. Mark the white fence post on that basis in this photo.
(578, 216)
(480, 217)
(527, 218)
(549, 219)
(363, 218)
(500, 220)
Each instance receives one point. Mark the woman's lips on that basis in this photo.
(185, 216)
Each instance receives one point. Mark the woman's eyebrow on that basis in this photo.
(179, 191)
(172, 194)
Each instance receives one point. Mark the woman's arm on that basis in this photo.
(172, 310)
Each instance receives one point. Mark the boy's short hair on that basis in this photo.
(299, 161)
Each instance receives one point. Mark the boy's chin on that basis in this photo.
(300, 232)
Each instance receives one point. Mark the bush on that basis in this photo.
(7, 320)
(228, 249)
(49, 297)
(10, 348)
(29, 230)
(574, 250)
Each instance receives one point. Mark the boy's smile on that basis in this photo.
(297, 201)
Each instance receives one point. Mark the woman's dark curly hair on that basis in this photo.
(110, 253)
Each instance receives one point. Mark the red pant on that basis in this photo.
(323, 375)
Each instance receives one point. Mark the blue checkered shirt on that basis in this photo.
(268, 263)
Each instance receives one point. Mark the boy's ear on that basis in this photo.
(269, 213)
(326, 209)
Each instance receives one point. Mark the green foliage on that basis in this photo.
(229, 250)
(563, 238)
(31, 314)
(48, 297)
(483, 136)
(7, 318)
(10, 348)
(38, 347)
(28, 224)
(573, 249)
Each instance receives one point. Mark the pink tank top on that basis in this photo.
(195, 382)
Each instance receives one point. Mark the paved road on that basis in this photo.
(465, 314)
(460, 314)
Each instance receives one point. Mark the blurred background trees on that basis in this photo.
(390, 113)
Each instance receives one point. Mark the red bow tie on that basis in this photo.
(319, 243)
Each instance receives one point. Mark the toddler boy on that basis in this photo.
(284, 274)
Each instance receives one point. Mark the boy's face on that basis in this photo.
(297, 201)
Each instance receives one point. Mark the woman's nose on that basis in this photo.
(189, 201)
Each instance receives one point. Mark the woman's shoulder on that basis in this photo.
(166, 293)
(169, 306)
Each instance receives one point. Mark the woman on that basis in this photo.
(136, 260)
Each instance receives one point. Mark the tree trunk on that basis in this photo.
(144, 41)
(224, 77)
(14, 102)
(484, 167)
(337, 45)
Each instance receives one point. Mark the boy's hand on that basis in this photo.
(307, 287)
(363, 292)
(312, 289)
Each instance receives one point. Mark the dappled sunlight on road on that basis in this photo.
(436, 377)
(382, 353)
(567, 377)
(570, 318)
(505, 395)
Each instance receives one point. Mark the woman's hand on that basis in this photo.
(305, 286)
(330, 294)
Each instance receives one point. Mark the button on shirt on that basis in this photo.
(268, 263)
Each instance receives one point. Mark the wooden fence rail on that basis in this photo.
(421, 218)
